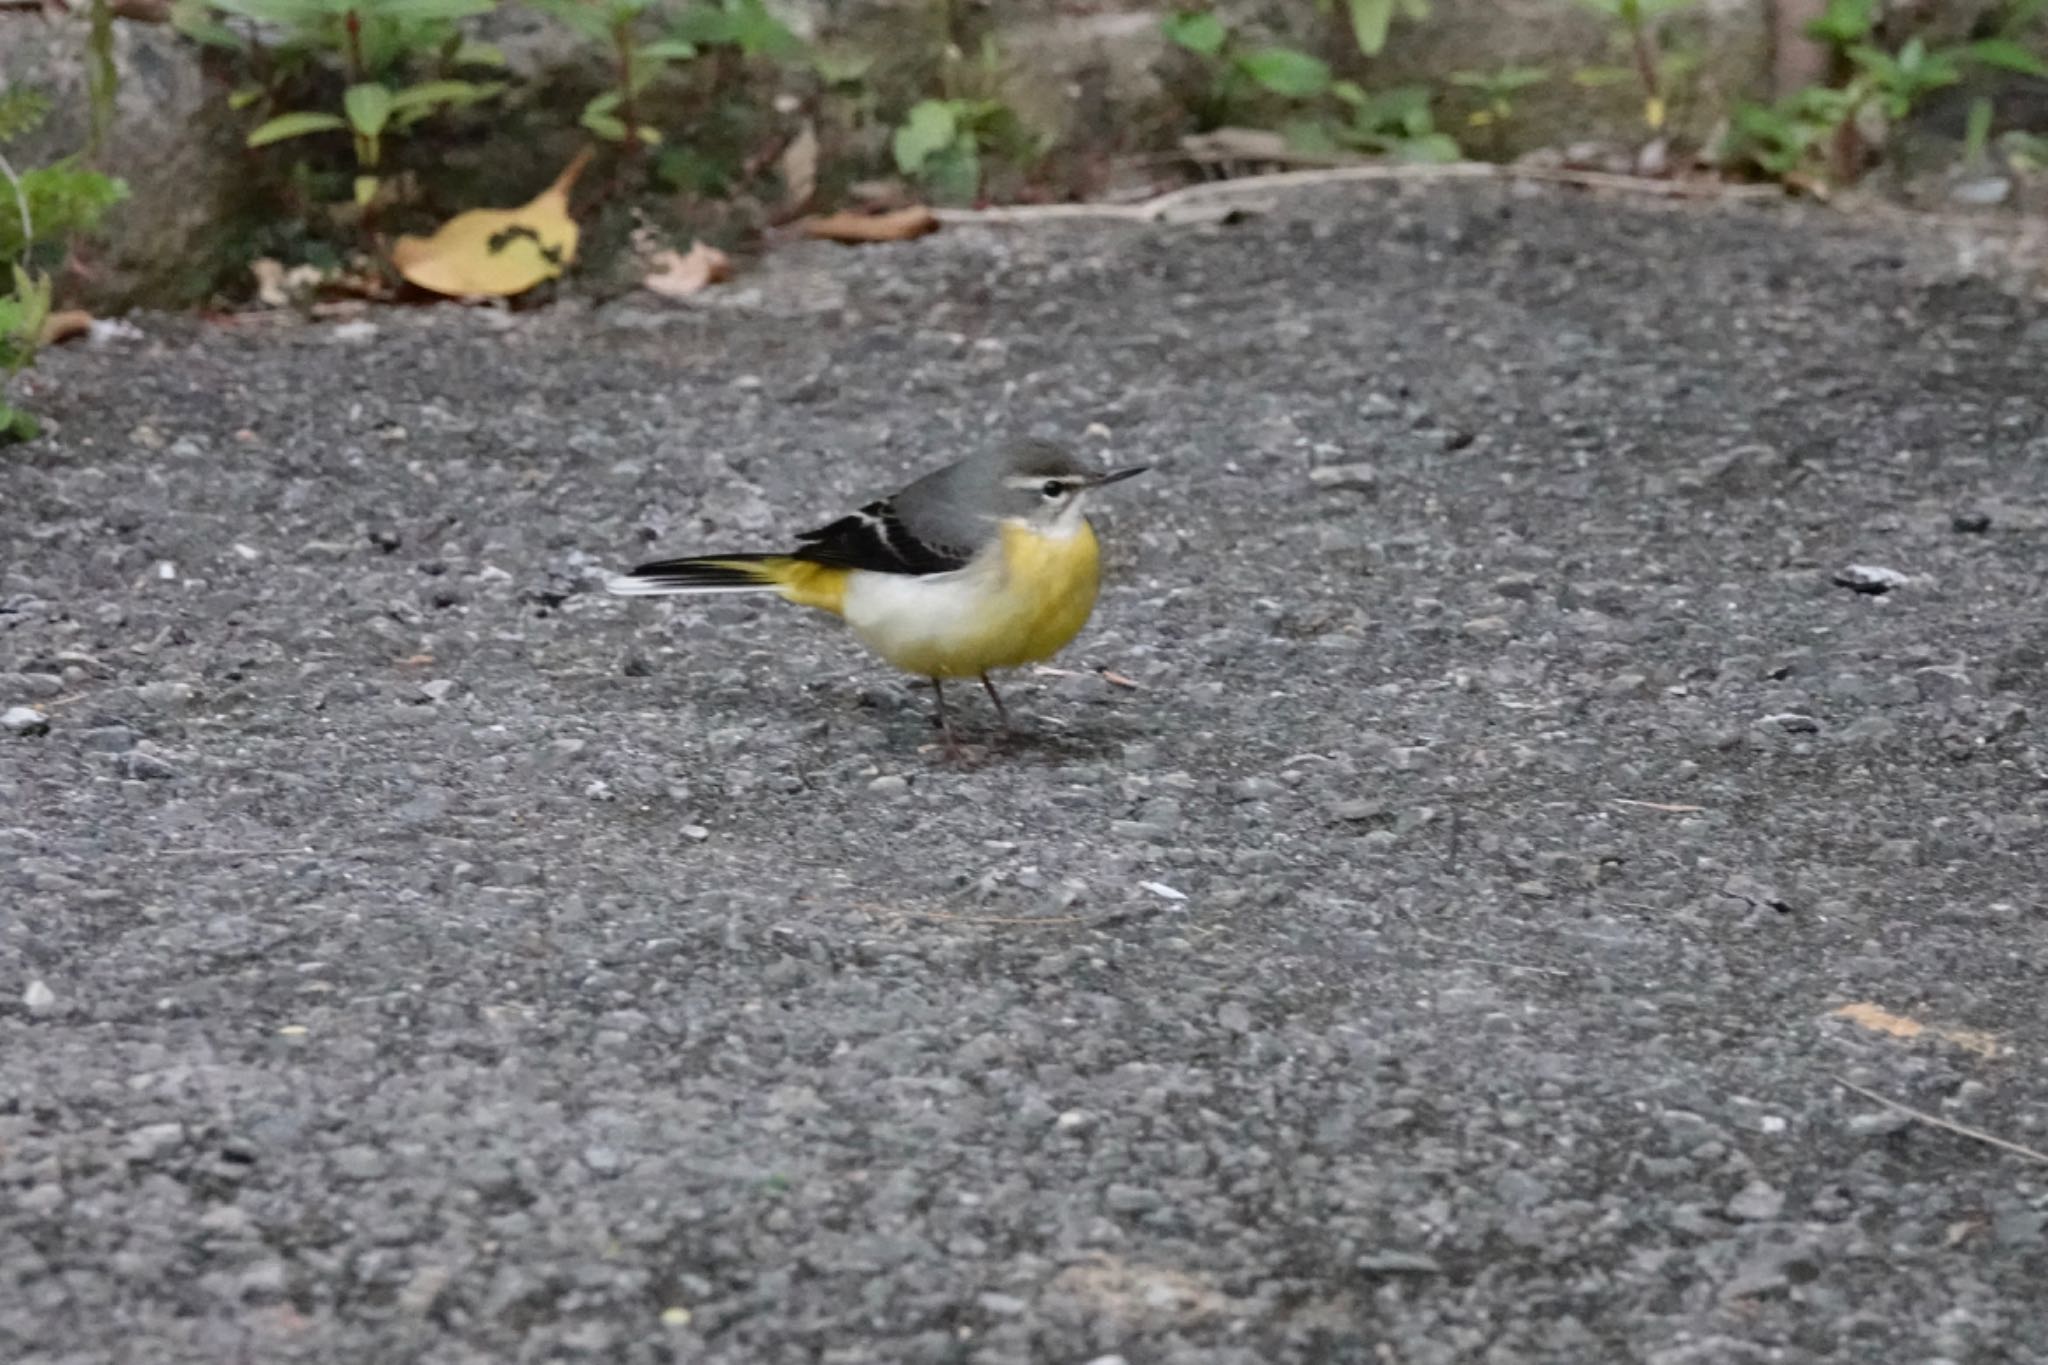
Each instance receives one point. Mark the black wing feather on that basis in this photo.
(876, 539)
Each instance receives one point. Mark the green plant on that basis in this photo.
(946, 142)
(1495, 92)
(1399, 123)
(1370, 19)
(1816, 132)
(1237, 74)
(734, 40)
(374, 42)
(746, 27)
(617, 25)
(940, 143)
(1327, 114)
(1635, 24)
(43, 208)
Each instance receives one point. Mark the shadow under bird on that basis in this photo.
(987, 563)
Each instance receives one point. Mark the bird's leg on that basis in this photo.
(1002, 712)
(953, 749)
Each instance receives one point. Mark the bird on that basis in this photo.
(987, 563)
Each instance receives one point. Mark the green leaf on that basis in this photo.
(1370, 20)
(1845, 22)
(21, 110)
(1433, 148)
(1599, 77)
(427, 94)
(1287, 72)
(16, 425)
(1202, 34)
(295, 125)
(1519, 77)
(1977, 132)
(244, 97)
(954, 174)
(668, 50)
(2007, 55)
(841, 66)
(759, 33)
(196, 21)
(584, 17)
(63, 198)
(470, 52)
(704, 25)
(369, 108)
(276, 11)
(417, 11)
(607, 126)
(929, 128)
(365, 190)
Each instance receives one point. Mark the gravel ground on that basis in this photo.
(412, 954)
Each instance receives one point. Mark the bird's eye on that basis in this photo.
(1052, 488)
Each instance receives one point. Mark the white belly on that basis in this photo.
(936, 624)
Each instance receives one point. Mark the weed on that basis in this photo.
(1495, 92)
(944, 142)
(43, 209)
(1323, 113)
(374, 42)
(1817, 133)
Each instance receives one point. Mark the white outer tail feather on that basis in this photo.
(625, 585)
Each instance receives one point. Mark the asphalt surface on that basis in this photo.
(410, 953)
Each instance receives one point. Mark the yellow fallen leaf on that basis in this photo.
(63, 325)
(676, 274)
(899, 226)
(798, 166)
(496, 251)
(1878, 1019)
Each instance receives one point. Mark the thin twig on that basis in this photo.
(1664, 806)
(1936, 1121)
(1165, 205)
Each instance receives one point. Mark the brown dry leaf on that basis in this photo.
(63, 326)
(798, 167)
(677, 274)
(497, 252)
(277, 287)
(1878, 1019)
(900, 226)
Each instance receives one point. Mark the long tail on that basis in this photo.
(703, 574)
(794, 580)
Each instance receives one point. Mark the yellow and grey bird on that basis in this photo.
(987, 563)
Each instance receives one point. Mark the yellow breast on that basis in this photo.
(1053, 581)
(1018, 603)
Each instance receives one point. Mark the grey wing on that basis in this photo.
(876, 539)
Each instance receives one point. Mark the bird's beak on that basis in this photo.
(1118, 475)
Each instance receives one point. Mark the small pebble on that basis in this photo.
(1873, 580)
(1757, 1202)
(1345, 478)
(889, 784)
(39, 998)
(24, 720)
